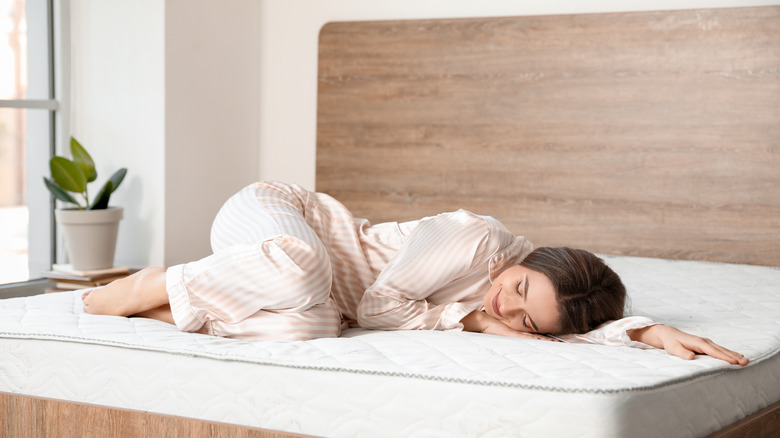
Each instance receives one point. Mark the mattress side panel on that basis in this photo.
(337, 403)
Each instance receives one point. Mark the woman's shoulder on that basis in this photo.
(497, 241)
(465, 217)
(476, 225)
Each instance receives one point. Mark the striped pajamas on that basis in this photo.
(269, 276)
(290, 264)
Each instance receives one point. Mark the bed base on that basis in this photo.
(762, 424)
(28, 416)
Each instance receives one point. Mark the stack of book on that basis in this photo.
(67, 278)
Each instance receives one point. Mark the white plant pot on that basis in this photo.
(90, 236)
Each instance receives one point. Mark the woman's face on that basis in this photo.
(523, 300)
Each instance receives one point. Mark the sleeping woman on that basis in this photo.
(290, 264)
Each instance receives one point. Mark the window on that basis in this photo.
(28, 112)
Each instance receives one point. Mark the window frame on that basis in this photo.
(43, 244)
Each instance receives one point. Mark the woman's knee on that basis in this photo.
(258, 212)
(307, 266)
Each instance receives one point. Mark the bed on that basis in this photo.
(652, 138)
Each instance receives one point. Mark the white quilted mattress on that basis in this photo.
(420, 383)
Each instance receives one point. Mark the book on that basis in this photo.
(79, 284)
(94, 273)
(66, 272)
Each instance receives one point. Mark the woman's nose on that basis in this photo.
(513, 305)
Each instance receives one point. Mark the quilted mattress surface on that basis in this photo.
(421, 383)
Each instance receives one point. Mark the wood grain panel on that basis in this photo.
(652, 133)
(763, 424)
(32, 417)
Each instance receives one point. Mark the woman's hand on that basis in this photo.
(481, 322)
(684, 345)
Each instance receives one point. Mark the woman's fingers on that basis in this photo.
(679, 350)
(688, 346)
(541, 337)
(491, 326)
(517, 334)
(706, 346)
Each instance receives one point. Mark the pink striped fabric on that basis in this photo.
(290, 264)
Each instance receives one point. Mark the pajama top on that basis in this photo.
(294, 264)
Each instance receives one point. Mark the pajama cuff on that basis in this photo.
(452, 314)
(183, 315)
(615, 333)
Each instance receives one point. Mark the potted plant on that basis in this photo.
(90, 227)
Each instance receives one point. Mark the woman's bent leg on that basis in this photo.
(162, 313)
(318, 321)
(267, 262)
(269, 278)
(284, 274)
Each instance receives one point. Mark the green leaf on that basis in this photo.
(83, 160)
(58, 193)
(118, 177)
(68, 175)
(101, 201)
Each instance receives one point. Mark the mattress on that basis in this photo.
(421, 383)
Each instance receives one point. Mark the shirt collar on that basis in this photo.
(513, 254)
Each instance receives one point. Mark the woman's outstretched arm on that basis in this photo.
(676, 342)
(682, 344)
(643, 332)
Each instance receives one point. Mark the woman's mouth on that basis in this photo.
(495, 304)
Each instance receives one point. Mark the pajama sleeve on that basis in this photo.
(439, 250)
(613, 333)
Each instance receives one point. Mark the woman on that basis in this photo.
(290, 264)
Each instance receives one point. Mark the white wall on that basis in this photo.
(169, 90)
(288, 49)
(118, 112)
(200, 97)
(212, 127)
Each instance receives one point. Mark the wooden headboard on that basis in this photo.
(650, 133)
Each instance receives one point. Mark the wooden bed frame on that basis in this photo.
(651, 134)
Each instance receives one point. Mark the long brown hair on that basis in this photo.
(589, 292)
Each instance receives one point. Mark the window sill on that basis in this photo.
(25, 289)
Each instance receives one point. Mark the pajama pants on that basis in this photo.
(269, 277)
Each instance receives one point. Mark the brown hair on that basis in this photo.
(589, 293)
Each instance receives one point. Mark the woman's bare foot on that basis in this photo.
(140, 292)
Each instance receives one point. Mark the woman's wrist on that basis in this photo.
(474, 321)
(647, 335)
